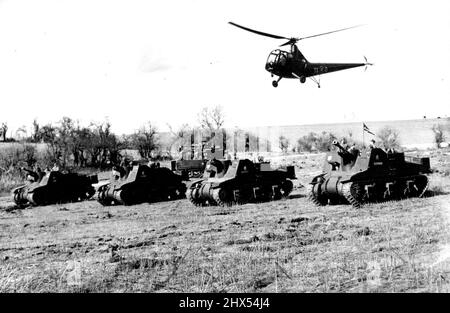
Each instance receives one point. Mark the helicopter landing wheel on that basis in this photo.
(302, 79)
(275, 82)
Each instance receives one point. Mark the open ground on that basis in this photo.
(282, 246)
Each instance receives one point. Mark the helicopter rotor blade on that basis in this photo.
(258, 32)
(290, 42)
(334, 31)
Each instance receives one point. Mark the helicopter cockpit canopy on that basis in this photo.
(277, 58)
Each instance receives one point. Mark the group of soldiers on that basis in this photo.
(126, 165)
(372, 144)
(36, 174)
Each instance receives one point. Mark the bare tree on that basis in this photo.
(35, 136)
(49, 135)
(182, 131)
(107, 144)
(211, 119)
(439, 137)
(144, 140)
(65, 138)
(179, 134)
(284, 143)
(3, 130)
(21, 132)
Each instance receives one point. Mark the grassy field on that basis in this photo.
(282, 246)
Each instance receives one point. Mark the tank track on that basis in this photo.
(107, 197)
(312, 197)
(101, 196)
(18, 198)
(226, 197)
(192, 198)
(352, 193)
(220, 197)
(43, 197)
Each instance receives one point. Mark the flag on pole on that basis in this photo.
(365, 128)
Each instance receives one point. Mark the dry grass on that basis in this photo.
(283, 246)
(8, 182)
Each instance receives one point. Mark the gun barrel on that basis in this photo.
(337, 144)
(27, 170)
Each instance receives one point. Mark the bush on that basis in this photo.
(283, 143)
(12, 158)
(439, 137)
(389, 138)
(315, 142)
(14, 155)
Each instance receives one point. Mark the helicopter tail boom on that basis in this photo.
(323, 68)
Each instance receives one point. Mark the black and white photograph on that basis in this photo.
(200, 147)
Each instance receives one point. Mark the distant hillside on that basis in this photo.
(412, 133)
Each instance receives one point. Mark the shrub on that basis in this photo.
(284, 144)
(12, 158)
(389, 138)
(313, 141)
(438, 131)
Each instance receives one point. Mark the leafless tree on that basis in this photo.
(211, 119)
(3, 130)
(35, 136)
(179, 134)
(21, 132)
(144, 140)
(284, 143)
(439, 137)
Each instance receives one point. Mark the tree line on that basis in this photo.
(386, 138)
(70, 144)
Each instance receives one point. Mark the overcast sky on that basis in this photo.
(162, 61)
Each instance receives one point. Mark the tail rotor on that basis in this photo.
(367, 64)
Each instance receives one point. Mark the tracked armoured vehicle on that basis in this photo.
(227, 182)
(55, 187)
(141, 184)
(371, 175)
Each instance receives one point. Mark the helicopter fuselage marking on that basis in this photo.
(320, 69)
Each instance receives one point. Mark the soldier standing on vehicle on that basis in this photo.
(118, 171)
(55, 167)
(344, 144)
(40, 173)
(32, 176)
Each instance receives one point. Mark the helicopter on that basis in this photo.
(293, 64)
